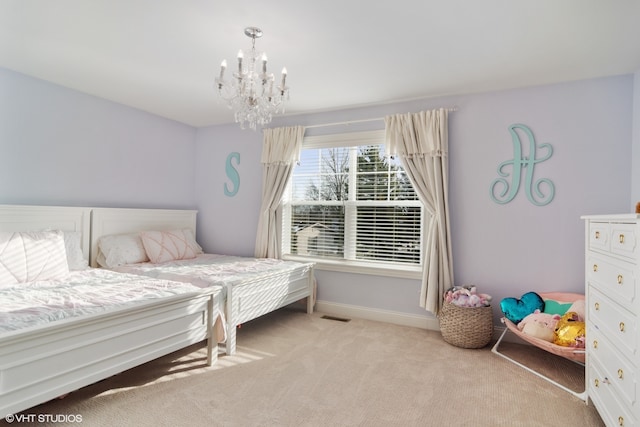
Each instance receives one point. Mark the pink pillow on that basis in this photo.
(32, 256)
(163, 246)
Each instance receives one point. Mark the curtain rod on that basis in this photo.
(349, 122)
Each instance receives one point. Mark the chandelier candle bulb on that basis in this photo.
(223, 66)
(284, 76)
(240, 56)
(264, 63)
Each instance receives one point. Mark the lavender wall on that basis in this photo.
(504, 249)
(228, 224)
(59, 146)
(517, 247)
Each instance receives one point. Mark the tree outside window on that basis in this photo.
(352, 203)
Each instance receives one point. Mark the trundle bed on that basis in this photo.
(251, 287)
(81, 325)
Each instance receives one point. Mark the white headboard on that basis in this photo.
(37, 218)
(105, 221)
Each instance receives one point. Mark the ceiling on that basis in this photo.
(162, 56)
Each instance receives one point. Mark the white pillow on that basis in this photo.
(73, 247)
(31, 256)
(162, 246)
(120, 249)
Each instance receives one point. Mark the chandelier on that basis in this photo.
(252, 93)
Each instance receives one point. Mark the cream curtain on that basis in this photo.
(420, 141)
(280, 152)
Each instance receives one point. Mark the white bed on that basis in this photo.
(48, 351)
(270, 284)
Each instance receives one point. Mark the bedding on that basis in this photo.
(73, 249)
(28, 256)
(207, 270)
(163, 246)
(81, 292)
(121, 249)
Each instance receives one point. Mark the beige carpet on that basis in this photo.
(294, 369)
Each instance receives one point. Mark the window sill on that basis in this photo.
(404, 271)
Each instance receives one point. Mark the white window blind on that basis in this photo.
(348, 201)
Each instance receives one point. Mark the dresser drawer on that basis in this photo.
(599, 236)
(615, 369)
(617, 238)
(618, 324)
(614, 278)
(612, 410)
(624, 241)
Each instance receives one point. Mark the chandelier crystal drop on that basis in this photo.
(252, 93)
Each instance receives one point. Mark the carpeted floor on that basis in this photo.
(294, 369)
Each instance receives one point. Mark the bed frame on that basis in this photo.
(40, 363)
(245, 301)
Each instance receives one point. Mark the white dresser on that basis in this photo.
(612, 296)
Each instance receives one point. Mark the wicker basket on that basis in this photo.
(466, 327)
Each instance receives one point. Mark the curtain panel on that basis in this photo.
(280, 152)
(420, 141)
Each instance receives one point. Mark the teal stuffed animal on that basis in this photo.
(516, 309)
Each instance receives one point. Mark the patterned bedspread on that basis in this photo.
(83, 292)
(208, 270)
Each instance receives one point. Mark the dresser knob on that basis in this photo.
(596, 306)
(596, 382)
(620, 374)
(621, 238)
(595, 343)
(621, 326)
(619, 279)
(595, 267)
(621, 421)
(597, 234)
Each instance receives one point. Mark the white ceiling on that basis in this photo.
(162, 56)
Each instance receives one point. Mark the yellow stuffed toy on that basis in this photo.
(570, 331)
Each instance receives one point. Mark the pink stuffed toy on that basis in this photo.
(466, 296)
(540, 325)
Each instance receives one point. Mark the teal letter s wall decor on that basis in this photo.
(233, 175)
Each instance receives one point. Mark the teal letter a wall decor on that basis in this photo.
(518, 164)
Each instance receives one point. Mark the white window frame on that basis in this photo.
(349, 264)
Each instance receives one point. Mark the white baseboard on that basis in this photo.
(424, 322)
(353, 311)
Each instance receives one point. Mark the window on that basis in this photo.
(349, 204)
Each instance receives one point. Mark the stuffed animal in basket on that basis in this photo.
(466, 296)
(540, 325)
